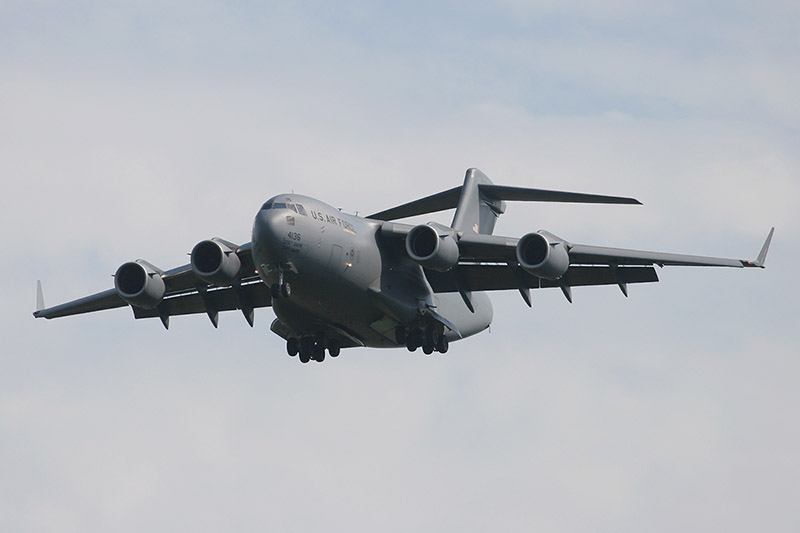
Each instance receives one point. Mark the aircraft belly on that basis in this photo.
(317, 304)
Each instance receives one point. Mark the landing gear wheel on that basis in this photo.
(427, 349)
(292, 346)
(333, 348)
(317, 349)
(400, 335)
(442, 345)
(306, 348)
(431, 336)
(416, 338)
(286, 289)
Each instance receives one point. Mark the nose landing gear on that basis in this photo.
(280, 290)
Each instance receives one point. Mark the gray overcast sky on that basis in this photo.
(137, 129)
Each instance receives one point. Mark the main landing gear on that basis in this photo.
(430, 339)
(312, 347)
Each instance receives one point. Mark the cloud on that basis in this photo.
(136, 130)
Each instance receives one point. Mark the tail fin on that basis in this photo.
(476, 211)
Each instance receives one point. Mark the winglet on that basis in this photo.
(762, 255)
(39, 296)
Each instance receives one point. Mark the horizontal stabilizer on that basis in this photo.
(521, 194)
(449, 199)
(430, 204)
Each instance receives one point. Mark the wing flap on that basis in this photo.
(227, 299)
(503, 277)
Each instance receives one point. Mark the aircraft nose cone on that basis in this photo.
(268, 233)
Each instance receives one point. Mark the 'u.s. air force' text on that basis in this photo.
(330, 219)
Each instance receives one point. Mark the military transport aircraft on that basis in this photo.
(337, 280)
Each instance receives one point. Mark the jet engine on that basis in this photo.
(214, 261)
(537, 255)
(139, 284)
(425, 246)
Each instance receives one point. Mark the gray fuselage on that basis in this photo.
(345, 278)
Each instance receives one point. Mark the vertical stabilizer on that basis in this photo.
(476, 212)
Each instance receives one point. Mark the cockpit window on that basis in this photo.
(297, 208)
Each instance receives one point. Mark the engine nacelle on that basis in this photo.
(139, 284)
(542, 258)
(426, 247)
(215, 262)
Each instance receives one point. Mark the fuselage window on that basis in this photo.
(301, 210)
(278, 205)
(266, 206)
(290, 205)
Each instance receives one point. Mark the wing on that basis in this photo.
(492, 248)
(490, 262)
(185, 293)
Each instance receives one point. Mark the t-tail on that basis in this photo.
(479, 202)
